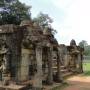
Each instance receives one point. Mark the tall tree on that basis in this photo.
(44, 21)
(13, 12)
(83, 43)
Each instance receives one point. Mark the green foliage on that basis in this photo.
(87, 50)
(44, 21)
(13, 12)
(83, 43)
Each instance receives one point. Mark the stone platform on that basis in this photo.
(12, 87)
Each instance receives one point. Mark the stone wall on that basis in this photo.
(12, 37)
(28, 47)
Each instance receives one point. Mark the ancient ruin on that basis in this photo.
(31, 57)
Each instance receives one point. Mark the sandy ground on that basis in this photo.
(78, 82)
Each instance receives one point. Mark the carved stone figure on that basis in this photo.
(4, 62)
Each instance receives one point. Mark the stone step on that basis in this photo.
(62, 67)
(73, 70)
(55, 67)
(62, 71)
(67, 74)
(13, 87)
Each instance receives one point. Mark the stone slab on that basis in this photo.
(12, 87)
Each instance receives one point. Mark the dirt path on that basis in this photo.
(78, 82)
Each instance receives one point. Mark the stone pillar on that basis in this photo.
(24, 70)
(38, 75)
(50, 70)
(73, 62)
(67, 60)
(59, 77)
(79, 64)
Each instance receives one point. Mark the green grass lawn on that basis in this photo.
(86, 68)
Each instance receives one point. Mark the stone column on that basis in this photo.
(59, 77)
(24, 70)
(50, 71)
(79, 64)
(38, 75)
(67, 59)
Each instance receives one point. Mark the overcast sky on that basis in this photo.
(71, 17)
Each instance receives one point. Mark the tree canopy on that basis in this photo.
(13, 12)
(83, 43)
(86, 47)
(44, 20)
